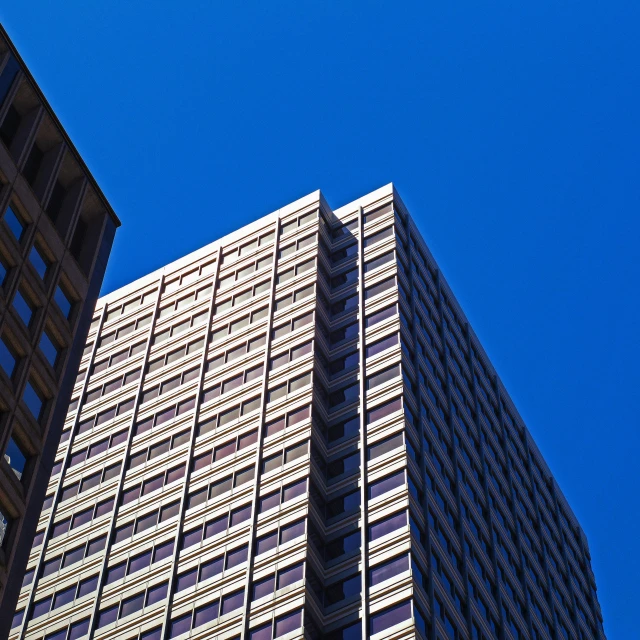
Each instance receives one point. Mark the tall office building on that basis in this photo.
(56, 231)
(294, 432)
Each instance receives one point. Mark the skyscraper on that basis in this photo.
(294, 431)
(56, 231)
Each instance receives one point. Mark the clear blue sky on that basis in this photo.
(509, 128)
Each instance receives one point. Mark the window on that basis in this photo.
(370, 216)
(378, 262)
(291, 491)
(3, 271)
(376, 489)
(344, 429)
(206, 613)
(262, 588)
(382, 345)
(387, 525)
(23, 308)
(389, 444)
(39, 261)
(342, 589)
(40, 607)
(107, 616)
(384, 410)
(49, 348)
(380, 316)
(5, 528)
(390, 617)
(16, 456)
(383, 377)
(63, 301)
(33, 400)
(380, 287)
(236, 557)
(386, 571)
(232, 602)
(15, 223)
(345, 253)
(7, 358)
(287, 623)
(290, 575)
(377, 237)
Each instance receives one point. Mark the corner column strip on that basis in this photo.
(364, 547)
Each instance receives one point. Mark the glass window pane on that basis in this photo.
(79, 629)
(51, 566)
(240, 515)
(290, 575)
(261, 633)
(389, 444)
(215, 527)
(39, 262)
(389, 570)
(33, 401)
(262, 588)
(266, 543)
(23, 308)
(180, 625)
(7, 359)
(390, 617)
(157, 593)
(211, 569)
(64, 597)
(107, 616)
(269, 501)
(163, 551)
(154, 634)
(187, 579)
(384, 410)
(16, 457)
(207, 613)
(385, 485)
(88, 586)
(294, 490)
(288, 623)
(49, 349)
(236, 557)
(63, 301)
(116, 572)
(387, 525)
(292, 531)
(14, 223)
(73, 555)
(141, 561)
(232, 602)
(17, 618)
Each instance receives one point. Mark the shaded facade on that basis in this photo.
(294, 432)
(56, 232)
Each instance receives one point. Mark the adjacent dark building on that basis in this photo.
(56, 232)
(294, 432)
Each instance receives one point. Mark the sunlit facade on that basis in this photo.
(294, 432)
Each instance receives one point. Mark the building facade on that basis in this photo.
(56, 232)
(294, 432)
